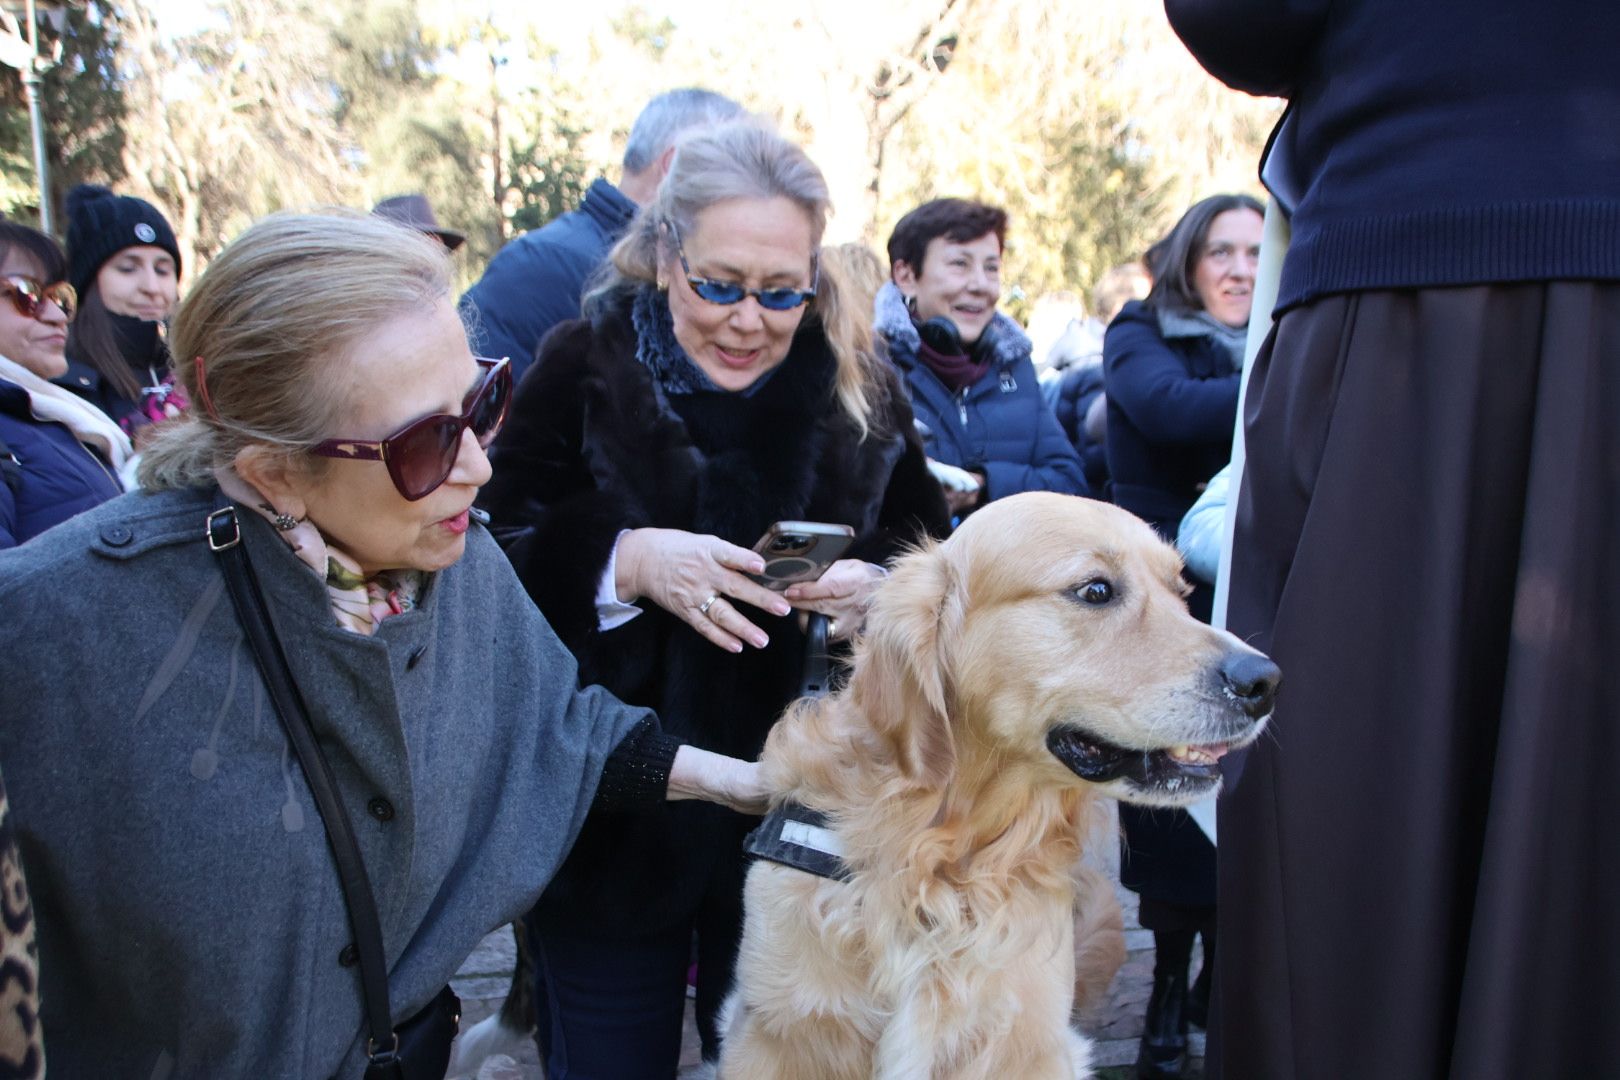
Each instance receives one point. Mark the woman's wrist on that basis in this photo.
(701, 774)
(627, 565)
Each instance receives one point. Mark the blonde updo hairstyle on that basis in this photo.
(747, 159)
(275, 319)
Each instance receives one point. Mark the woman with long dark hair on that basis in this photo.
(1170, 373)
(125, 266)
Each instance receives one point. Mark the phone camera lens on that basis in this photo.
(788, 542)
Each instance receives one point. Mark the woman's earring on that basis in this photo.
(283, 522)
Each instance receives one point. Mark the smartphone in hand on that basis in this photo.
(800, 551)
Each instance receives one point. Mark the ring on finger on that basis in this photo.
(703, 608)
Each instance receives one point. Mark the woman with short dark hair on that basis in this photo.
(985, 424)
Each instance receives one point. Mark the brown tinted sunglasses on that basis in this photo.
(421, 454)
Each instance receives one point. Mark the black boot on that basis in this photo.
(1198, 996)
(1163, 1051)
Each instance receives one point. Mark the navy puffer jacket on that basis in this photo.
(1001, 425)
(1172, 407)
(48, 474)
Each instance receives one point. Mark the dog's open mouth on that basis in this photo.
(1100, 761)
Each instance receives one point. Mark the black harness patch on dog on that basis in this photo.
(797, 836)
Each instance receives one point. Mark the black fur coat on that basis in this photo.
(592, 447)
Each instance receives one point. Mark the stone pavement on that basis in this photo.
(1116, 1024)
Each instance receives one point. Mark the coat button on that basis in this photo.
(349, 956)
(381, 809)
(415, 657)
(116, 535)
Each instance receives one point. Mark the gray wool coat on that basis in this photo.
(190, 917)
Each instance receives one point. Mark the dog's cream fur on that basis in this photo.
(951, 953)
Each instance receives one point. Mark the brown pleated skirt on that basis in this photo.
(1420, 863)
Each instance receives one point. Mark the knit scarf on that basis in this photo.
(659, 352)
(358, 602)
(656, 347)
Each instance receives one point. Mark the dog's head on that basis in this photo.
(1051, 632)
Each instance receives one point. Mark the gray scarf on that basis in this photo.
(1201, 324)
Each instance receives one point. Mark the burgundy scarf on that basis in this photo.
(956, 372)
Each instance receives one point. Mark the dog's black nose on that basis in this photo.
(1252, 679)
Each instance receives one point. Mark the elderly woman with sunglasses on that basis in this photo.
(723, 380)
(58, 455)
(191, 918)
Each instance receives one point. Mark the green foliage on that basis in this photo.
(548, 172)
(84, 110)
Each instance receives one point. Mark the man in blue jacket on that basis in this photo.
(536, 281)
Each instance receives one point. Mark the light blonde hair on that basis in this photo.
(274, 319)
(749, 160)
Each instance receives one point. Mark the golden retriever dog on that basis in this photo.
(1007, 681)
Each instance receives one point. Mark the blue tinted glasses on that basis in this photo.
(730, 292)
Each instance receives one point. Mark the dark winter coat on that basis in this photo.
(535, 281)
(592, 447)
(1072, 397)
(49, 475)
(1001, 425)
(1172, 407)
(143, 348)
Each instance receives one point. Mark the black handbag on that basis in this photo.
(419, 1048)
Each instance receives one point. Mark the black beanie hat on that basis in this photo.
(101, 224)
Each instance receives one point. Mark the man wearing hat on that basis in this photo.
(415, 211)
(536, 280)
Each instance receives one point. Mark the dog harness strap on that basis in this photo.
(797, 836)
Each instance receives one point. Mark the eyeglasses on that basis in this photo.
(421, 454)
(29, 296)
(730, 292)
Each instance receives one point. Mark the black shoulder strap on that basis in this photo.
(224, 538)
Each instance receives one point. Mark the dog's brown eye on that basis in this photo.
(1096, 593)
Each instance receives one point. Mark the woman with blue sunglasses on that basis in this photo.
(723, 379)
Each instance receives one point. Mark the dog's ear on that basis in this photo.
(902, 681)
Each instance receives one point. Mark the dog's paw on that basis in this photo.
(1080, 1055)
(484, 1040)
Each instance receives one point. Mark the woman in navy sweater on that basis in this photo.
(1417, 872)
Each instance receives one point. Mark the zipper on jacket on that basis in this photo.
(102, 465)
(961, 406)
